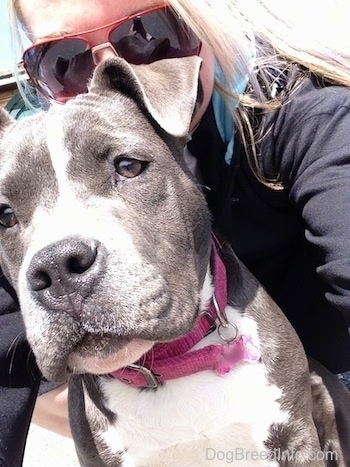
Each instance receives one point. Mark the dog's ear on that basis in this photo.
(167, 88)
(5, 120)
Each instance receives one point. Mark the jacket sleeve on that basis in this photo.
(312, 147)
(19, 379)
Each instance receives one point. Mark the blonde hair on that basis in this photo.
(250, 40)
(283, 46)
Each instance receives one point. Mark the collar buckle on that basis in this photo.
(150, 378)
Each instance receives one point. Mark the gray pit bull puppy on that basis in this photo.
(174, 354)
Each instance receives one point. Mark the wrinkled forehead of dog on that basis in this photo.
(123, 100)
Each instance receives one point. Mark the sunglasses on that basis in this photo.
(60, 68)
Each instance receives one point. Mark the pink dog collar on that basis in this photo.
(174, 359)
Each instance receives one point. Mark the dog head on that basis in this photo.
(103, 232)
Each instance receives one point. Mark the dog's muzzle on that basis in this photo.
(67, 268)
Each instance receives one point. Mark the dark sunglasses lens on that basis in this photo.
(60, 69)
(154, 36)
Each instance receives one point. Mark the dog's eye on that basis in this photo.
(129, 168)
(7, 216)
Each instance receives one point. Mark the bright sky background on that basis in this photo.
(311, 12)
(5, 52)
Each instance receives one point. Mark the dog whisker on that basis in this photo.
(11, 352)
(204, 187)
(14, 343)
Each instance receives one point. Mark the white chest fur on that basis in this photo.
(202, 419)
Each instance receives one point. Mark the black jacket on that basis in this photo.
(296, 241)
(19, 379)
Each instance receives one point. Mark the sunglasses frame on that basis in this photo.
(82, 36)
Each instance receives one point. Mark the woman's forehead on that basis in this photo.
(49, 18)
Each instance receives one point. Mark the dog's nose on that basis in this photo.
(69, 267)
